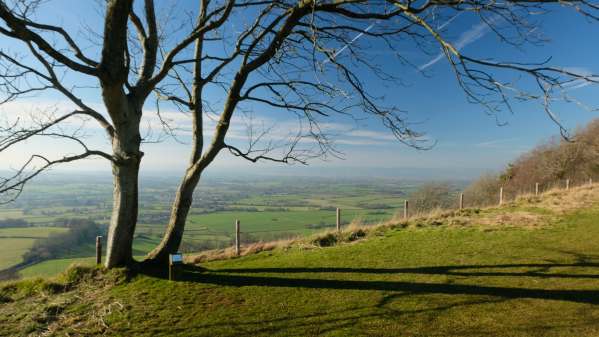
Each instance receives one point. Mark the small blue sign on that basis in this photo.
(176, 258)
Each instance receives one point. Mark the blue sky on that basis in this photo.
(468, 141)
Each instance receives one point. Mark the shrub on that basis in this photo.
(431, 196)
(484, 191)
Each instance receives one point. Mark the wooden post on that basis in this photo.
(567, 184)
(237, 238)
(590, 181)
(98, 250)
(338, 219)
(461, 200)
(501, 196)
(537, 189)
(405, 209)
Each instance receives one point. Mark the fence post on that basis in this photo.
(338, 222)
(501, 196)
(98, 250)
(237, 238)
(405, 209)
(567, 184)
(590, 181)
(537, 189)
(461, 200)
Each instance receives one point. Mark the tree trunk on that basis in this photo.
(125, 171)
(173, 235)
(124, 215)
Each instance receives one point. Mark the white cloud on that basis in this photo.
(497, 143)
(380, 135)
(475, 33)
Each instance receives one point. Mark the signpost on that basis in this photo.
(174, 261)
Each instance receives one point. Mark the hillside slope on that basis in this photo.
(529, 268)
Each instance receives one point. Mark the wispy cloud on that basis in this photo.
(580, 83)
(449, 21)
(359, 35)
(474, 34)
(378, 135)
(496, 143)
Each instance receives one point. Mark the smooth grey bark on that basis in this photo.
(125, 111)
(124, 214)
(125, 170)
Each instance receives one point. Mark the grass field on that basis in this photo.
(14, 242)
(268, 209)
(533, 272)
(218, 227)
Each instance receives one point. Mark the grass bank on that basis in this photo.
(530, 268)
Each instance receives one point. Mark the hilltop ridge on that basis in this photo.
(527, 268)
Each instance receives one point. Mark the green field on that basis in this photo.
(218, 228)
(268, 209)
(433, 278)
(14, 242)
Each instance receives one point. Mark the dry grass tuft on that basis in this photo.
(228, 253)
(561, 201)
(519, 219)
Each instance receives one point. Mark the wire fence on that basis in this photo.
(237, 236)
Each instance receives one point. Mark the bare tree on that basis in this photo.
(306, 58)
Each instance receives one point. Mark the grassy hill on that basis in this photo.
(528, 268)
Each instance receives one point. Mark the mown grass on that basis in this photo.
(442, 280)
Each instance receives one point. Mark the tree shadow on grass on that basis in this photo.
(540, 270)
(240, 277)
(320, 322)
(579, 296)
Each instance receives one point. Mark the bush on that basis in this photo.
(431, 196)
(325, 240)
(484, 191)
